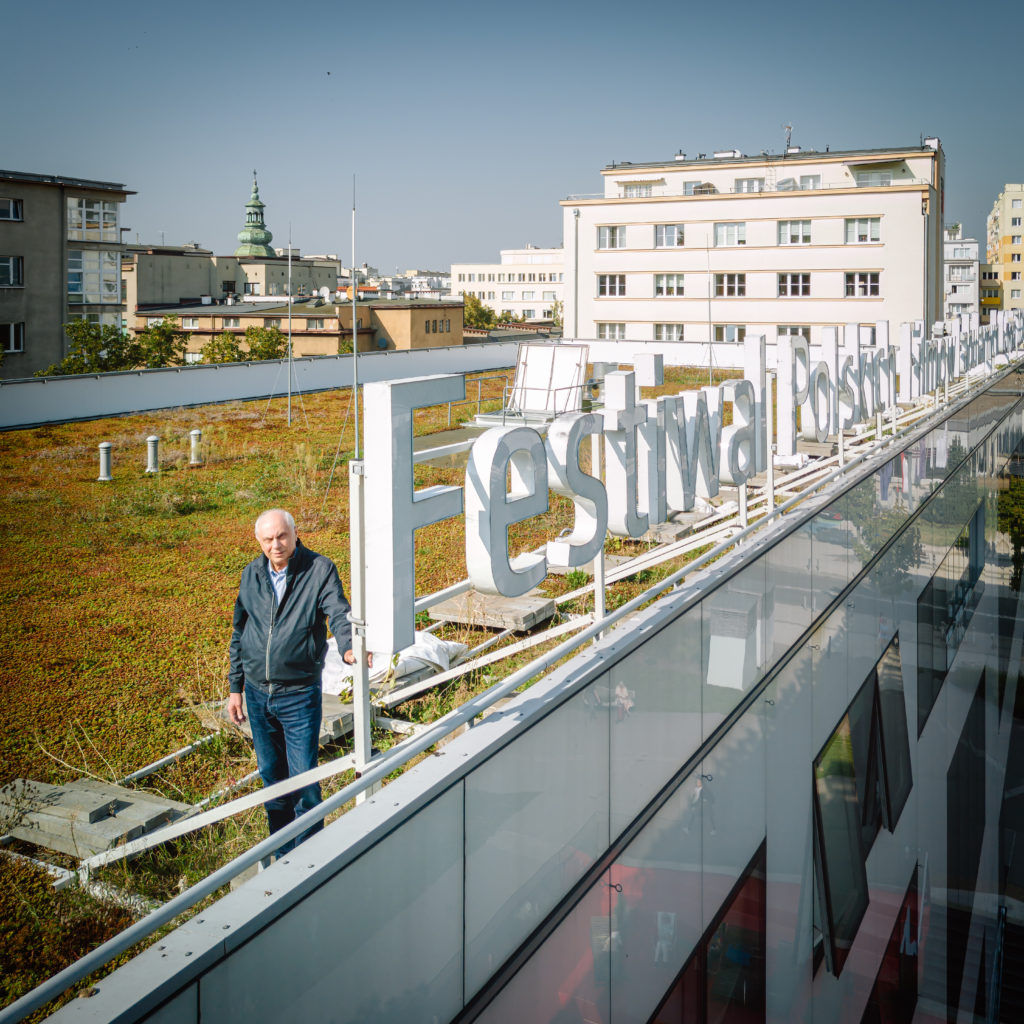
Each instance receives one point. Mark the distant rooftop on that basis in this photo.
(61, 181)
(794, 154)
(301, 307)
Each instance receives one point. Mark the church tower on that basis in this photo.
(254, 237)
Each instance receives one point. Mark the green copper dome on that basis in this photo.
(254, 237)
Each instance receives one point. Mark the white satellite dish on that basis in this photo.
(324, 293)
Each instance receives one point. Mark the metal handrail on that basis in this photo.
(377, 771)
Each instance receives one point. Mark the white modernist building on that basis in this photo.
(527, 282)
(687, 250)
(960, 273)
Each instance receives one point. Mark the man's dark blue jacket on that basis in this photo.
(287, 644)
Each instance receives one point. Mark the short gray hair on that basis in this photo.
(283, 513)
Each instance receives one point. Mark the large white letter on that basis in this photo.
(491, 510)
(793, 363)
(737, 459)
(394, 511)
(587, 492)
(622, 416)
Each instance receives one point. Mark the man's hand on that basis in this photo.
(349, 657)
(235, 712)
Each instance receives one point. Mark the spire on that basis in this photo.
(254, 237)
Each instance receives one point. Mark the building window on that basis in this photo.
(698, 188)
(548, 296)
(730, 332)
(529, 314)
(92, 220)
(1015, 257)
(508, 295)
(1014, 275)
(447, 326)
(11, 209)
(862, 780)
(227, 286)
(794, 232)
(93, 276)
(272, 321)
(872, 179)
(426, 326)
(190, 322)
(667, 236)
(252, 287)
(668, 284)
(529, 294)
(611, 332)
(1015, 222)
(12, 337)
(668, 332)
(230, 321)
(730, 285)
(611, 284)
(944, 611)
(531, 277)
(734, 233)
(894, 995)
(522, 277)
(749, 185)
(861, 285)
(610, 237)
(1016, 239)
(1015, 204)
(794, 284)
(793, 331)
(490, 296)
(1014, 293)
(12, 272)
(863, 229)
(637, 190)
(810, 181)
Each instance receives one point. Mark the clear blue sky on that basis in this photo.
(465, 123)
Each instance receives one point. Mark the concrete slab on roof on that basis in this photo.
(495, 611)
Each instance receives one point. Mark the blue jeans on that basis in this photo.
(286, 734)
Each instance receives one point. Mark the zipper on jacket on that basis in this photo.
(270, 634)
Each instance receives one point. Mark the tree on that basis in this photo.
(556, 313)
(476, 314)
(225, 348)
(266, 343)
(95, 348)
(163, 344)
(508, 317)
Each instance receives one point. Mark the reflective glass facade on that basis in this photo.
(730, 810)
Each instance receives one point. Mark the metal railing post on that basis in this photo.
(362, 709)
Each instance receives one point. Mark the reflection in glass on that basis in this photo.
(843, 880)
(894, 995)
(724, 980)
(946, 606)
(895, 736)
(862, 779)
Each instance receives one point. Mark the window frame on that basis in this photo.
(15, 210)
(785, 232)
(730, 285)
(724, 230)
(611, 286)
(12, 337)
(669, 285)
(862, 284)
(609, 236)
(661, 235)
(794, 285)
(610, 331)
(14, 272)
(872, 226)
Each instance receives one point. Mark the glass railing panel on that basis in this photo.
(661, 917)
(788, 590)
(731, 790)
(734, 628)
(399, 903)
(570, 977)
(536, 820)
(655, 715)
(790, 894)
(829, 568)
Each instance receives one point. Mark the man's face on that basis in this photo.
(277, 539)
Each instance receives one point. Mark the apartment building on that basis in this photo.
(60, 259)
(527, 282)
(318, 327)
(1005, 244)
(692, 249)
(991, 291)
(960, 274)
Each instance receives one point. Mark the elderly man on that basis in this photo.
(278, 646)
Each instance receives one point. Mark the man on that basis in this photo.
(278, 646)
